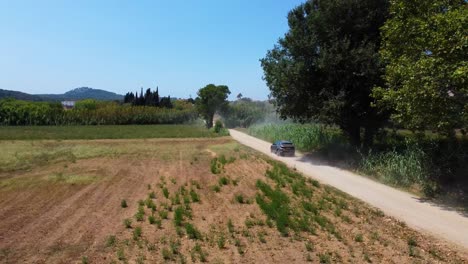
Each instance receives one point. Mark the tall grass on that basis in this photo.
(398, 168)
(397, 159)
(404, 168)
(306, 137)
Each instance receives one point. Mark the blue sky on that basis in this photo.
(120, 46)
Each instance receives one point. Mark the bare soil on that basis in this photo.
(60, 219)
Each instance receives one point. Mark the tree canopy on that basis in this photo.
(326, 65)
(425, 45)
(211, 99)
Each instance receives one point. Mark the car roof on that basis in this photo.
(283, 142)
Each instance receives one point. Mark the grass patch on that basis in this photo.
(137, 233)
(240, 199)
(128, 223)
(359, 238)
(165, 192)
(221, 241)
(192, 231)
(277, 208)
(223, 181)
(195, 197)
(216, 188)
(104, 132)
(73, 178)
(111, 241)
(179, 213)
(198, 251)
(163, 214)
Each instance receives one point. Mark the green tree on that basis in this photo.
(211, 99)
(425, 44)
(244, 112)
(326, 65)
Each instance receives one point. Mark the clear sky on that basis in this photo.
(120, 46)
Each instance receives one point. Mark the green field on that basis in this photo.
(104, 132)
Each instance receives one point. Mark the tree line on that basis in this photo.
(149, 98)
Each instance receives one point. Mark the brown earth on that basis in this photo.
(62, 211)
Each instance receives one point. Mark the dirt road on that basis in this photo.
(440, 222)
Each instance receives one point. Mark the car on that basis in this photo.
(283, 148)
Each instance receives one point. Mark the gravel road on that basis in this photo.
(440, 222)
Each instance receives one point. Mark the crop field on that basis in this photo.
(103, 132)
(185, 201)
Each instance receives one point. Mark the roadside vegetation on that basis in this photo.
(429, 163)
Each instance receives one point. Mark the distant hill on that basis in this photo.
(19, 95)
(75, 94)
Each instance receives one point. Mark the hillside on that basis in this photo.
(83, 93)
(75, 94)
(19, 95)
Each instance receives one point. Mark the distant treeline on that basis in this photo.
(149, 98)
(90, 112)
(245, 112)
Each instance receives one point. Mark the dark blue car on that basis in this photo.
(283, 148)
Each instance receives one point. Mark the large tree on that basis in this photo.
(211, 99)
(425, 44)
(326, 65)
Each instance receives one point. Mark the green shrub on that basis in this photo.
(140, 217)
(152, 195)
(123, 204)
(149, 203)
(309, 246)
(240, 198)
(325, 258)
(223, 181)
(128, 223)
(261, 237)
(197, 250)
(165, 192)
(137, 233)
(151, 219)
(215, 166)
(221, 241)
(230, 226)
(84, 260)
(216, 188)
(194, 195)
(110, 241)
(179, 216)
(167, 254)
(412, 242)
(218, 126)
(192, 232)
(120, 254)
(163, 214)
(359, 238)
